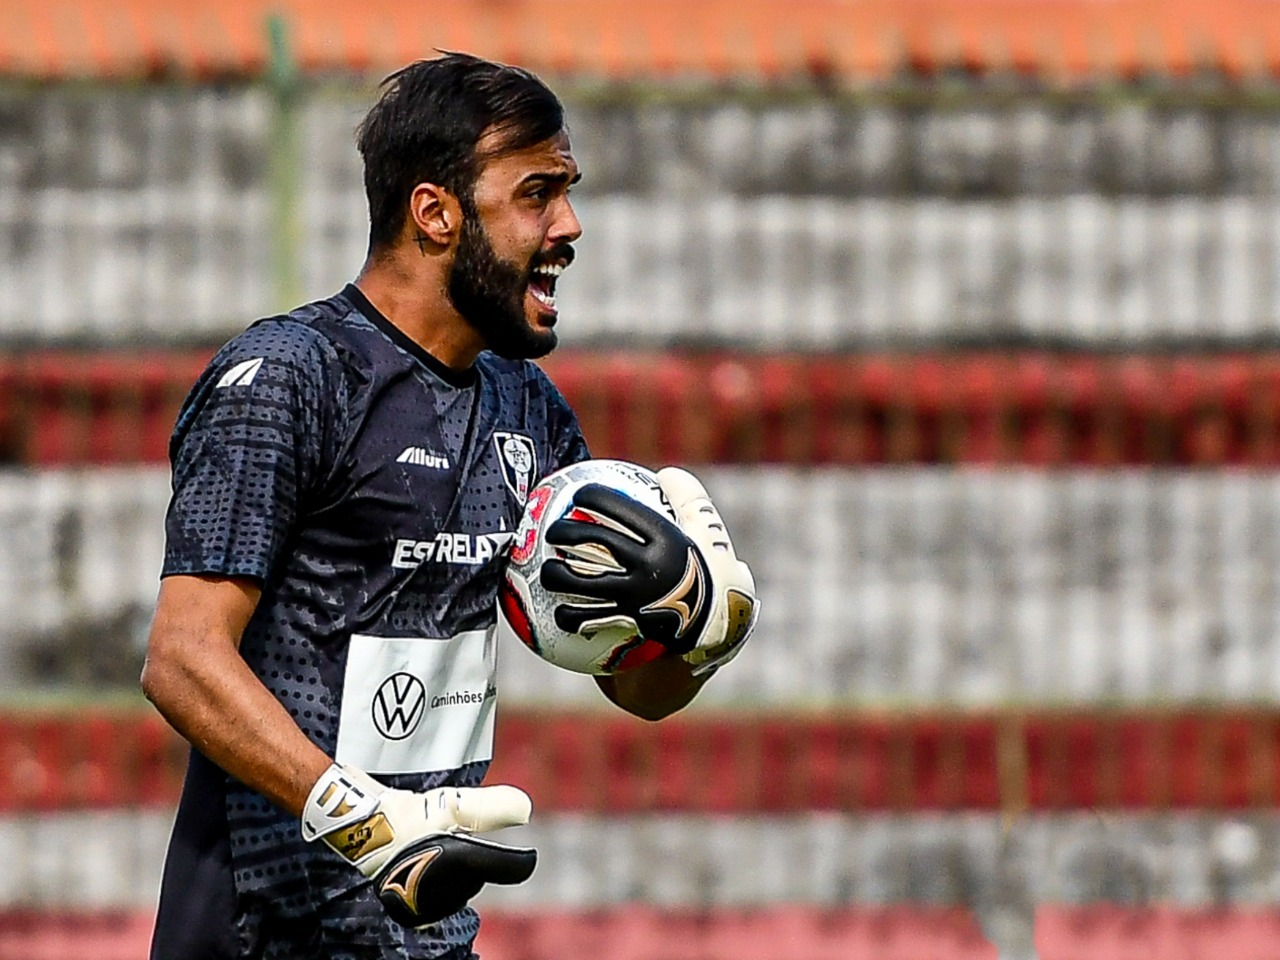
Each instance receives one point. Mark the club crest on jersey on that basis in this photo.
(518, 460)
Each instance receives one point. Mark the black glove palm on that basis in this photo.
(620, 560)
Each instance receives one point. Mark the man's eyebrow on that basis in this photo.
(558, 178)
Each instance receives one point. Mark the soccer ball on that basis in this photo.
(527, 610)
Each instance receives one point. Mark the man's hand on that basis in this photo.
(679, 584)
(418, 847)
(622, 561)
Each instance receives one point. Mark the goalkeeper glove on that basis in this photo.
(734, 604)
(679, 584)
(417, 847)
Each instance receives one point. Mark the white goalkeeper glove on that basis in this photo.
(732, 593)
(417, 847)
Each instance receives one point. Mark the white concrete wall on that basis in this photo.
(880, 586)
(146, 215)
(114, 858)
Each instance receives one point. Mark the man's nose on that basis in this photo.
(566, 228)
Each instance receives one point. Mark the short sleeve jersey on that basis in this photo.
(370, 491)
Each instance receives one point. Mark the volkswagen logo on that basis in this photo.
(398, 705)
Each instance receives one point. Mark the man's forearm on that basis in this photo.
(250, 736)
(655, 690)
(196, 678)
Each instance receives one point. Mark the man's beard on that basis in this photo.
(489, 293)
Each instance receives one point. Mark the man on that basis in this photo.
(302, 629)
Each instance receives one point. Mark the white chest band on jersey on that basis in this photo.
(416, 705)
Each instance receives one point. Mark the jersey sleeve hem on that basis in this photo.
(246, 571)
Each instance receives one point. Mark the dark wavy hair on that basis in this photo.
(426, 124)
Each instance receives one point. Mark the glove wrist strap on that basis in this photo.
(336, 801)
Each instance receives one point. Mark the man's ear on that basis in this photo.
(435, 216)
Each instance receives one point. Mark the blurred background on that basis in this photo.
(968, 311)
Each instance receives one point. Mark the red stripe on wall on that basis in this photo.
(749, 763)
(745, 763)
(980, 408)
(101, 935)
(1099, 932)
(767, 933)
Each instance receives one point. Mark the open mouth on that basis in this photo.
(542, 285)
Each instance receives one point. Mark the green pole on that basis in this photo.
(284, 169)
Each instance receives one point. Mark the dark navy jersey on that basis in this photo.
(371, 492)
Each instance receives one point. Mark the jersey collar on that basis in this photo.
(455, 378)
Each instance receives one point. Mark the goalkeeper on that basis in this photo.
(345, 480)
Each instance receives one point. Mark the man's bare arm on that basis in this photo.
(653, 690)
(196, 678)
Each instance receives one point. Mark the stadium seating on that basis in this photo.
(969, 312)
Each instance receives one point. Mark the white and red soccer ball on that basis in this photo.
(527, 610)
